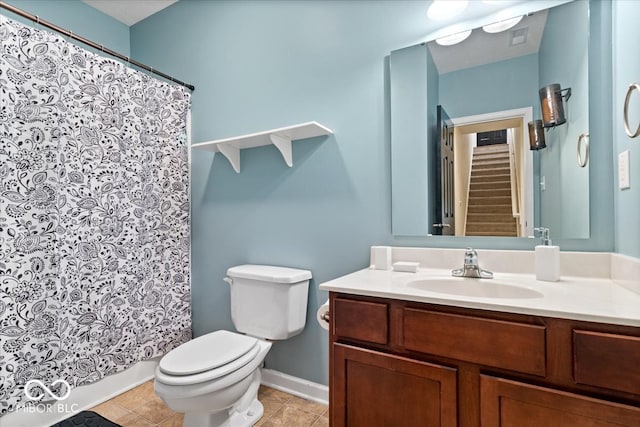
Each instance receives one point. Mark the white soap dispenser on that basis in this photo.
(547, 258)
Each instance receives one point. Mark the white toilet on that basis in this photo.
(214, 378)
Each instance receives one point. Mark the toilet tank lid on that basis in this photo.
(269, 273)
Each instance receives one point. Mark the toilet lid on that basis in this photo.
(205, 353)
(225, 371)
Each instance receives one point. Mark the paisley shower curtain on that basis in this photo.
(94, 214)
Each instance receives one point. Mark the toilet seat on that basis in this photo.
(166, 390)
(211, 374)
(206, 352)
(207, 357)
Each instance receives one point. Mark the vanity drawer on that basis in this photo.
(607, 360)
(361, 320)
(508, 345)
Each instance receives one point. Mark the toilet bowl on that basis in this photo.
(214, 379)
(214, 391)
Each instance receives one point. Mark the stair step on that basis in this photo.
(492, 233)
(494, 148)
(490, 178)
(490, 156)
(497, 217)
(494, 171)
(490, 164)
(490, 217)
(490, 226)
(489, 209)
(488, 185)
(490, 200)
(490, 192)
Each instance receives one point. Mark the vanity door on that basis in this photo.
(506, 403)
(377, 389)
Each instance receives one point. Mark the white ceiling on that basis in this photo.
(482, 48)
(129, 11)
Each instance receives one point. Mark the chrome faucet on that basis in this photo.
(471, 267)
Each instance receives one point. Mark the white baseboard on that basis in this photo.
(83, 397)
(296, 386)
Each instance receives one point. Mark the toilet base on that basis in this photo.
(244, 413)
(246, 418)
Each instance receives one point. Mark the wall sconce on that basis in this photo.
(536, 135)
(552, 106)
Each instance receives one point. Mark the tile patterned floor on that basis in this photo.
(140, 407)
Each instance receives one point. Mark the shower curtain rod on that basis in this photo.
(90, 43)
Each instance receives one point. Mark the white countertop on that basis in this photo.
(579, 298)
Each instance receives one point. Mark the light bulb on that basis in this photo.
(500, 26)
(453, 39)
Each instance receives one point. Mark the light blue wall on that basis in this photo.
(563, 59)
(601, 203)
(499, 86)
(626, 34)
(261, 65)
(78, 17)
(413, 97)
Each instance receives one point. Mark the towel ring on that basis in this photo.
(583, 139)
(633, 86)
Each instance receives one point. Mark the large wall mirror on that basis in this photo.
(461, 158)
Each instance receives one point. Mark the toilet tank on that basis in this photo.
(267, 301)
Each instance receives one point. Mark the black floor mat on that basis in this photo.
(86, 419)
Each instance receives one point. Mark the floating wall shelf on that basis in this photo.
(281, 138)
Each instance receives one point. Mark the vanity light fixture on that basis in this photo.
(536, 135)
(500, 26)
(441, 10)
(552, 106)
(453, 38)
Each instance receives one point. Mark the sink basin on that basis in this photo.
(481, 288)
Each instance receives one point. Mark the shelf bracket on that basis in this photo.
(232, 154)
(284, 145)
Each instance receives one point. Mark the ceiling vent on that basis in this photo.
(518, 36)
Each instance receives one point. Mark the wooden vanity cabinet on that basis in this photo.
(398, 363)
(513, 403)
(379, 389)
